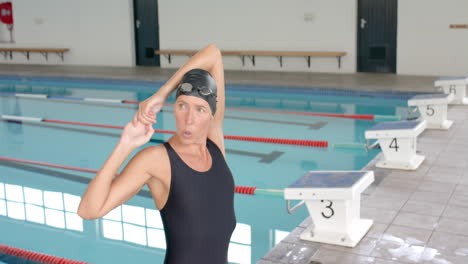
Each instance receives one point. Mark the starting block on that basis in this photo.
(333, 199)
(398, 143)
(433, 109)
(455, 86)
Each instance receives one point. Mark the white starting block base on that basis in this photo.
(459, 93)
(412, 164)
(456, 86)
(433, 109)
(350, 239)
(398, 143)
(333, 199)
(444, 126)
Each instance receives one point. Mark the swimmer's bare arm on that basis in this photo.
(216, 131)
(104, 193)
(209, 59)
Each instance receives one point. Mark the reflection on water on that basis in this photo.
(128, 223)
(54, 209)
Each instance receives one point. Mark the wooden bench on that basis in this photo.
(251, 54)
(44, 51)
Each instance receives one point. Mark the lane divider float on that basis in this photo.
(377, 118)
(238, 189)
(35, 256)
(309, 143)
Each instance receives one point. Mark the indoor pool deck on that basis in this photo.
(419, 217)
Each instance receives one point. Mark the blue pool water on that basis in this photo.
(38, 204)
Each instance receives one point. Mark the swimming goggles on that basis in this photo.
(185, 88)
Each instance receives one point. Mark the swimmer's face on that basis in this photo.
(193, 119)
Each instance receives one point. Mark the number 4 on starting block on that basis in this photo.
(398, 143)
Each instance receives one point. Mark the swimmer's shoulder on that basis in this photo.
(156, 161)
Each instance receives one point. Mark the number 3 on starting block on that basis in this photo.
(333, 199)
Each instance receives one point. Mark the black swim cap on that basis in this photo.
(201, 84)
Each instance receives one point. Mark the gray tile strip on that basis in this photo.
(409, 208)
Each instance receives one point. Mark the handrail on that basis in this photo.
(292, 210)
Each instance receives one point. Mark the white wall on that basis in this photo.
(262, 25)
(96, 32)
(426, 44)
(101, 32)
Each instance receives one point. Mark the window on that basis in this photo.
(135, 224)
(55, 209)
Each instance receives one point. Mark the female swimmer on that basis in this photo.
(188, 176)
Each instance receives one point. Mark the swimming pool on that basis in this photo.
(38, 204)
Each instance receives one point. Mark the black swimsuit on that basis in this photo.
(199, 213)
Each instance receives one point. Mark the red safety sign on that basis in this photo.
(6, 13)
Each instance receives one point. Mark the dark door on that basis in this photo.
(377, 25)
(146, 32)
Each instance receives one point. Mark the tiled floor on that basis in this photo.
(359, 81)
(419, 217)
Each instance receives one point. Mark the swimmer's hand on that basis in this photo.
(148, 110)
(136, 136)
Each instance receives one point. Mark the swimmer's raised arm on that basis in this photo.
(209, 59)
(104, 193)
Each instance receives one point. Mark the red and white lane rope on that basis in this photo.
(35, 256)
(238, 189)
(364, 117)
(309, 143)
(120, 101)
